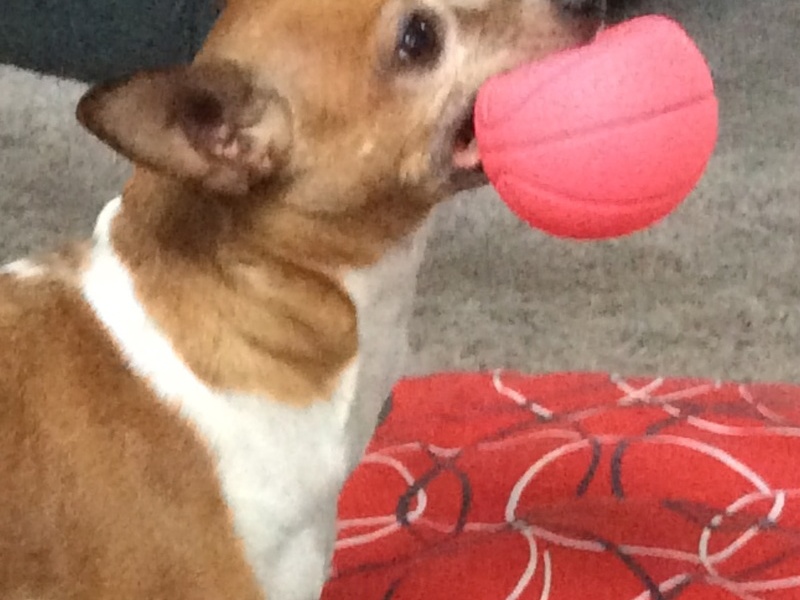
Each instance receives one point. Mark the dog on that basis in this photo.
(184, 394)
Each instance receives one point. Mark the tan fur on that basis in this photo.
(238, 228)
(280, 325)
(103, 488)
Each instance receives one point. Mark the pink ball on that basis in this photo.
(602, 140)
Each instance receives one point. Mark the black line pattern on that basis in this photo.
(744, 527)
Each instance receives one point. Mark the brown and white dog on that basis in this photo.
(182, 397)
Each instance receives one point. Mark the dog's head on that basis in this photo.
(340, 100)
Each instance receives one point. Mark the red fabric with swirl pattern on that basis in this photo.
(575, 486)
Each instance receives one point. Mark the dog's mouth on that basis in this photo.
(466, 156)
(456, 157)
(466, 169)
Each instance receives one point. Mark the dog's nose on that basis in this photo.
(595, 9)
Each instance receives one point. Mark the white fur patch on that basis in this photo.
(281, 467)
(23, 268)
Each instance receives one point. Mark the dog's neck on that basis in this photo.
(254, 295)
(280, 363)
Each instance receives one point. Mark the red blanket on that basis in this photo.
(575, 486)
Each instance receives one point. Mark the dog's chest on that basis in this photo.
(280, 466)
(280, 463)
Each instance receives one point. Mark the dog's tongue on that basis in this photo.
(467, 156)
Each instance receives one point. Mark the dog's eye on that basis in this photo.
(418, 42)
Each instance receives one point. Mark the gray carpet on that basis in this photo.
(712, 291)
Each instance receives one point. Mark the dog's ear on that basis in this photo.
(209, 123)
